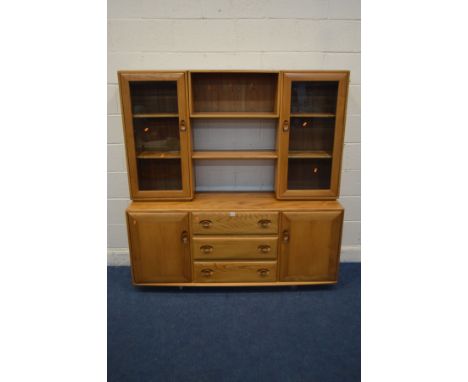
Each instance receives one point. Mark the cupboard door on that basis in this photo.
(159, 246)
(157, 136)
(310, 245)
(311, 134)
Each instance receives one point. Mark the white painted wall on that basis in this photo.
(233, 34)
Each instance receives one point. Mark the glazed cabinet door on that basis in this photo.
(310, 141)
(310, 245)
(157, 136)
(159, 247)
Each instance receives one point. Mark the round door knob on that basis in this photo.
(185, 237)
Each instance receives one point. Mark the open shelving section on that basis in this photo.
(234, 126)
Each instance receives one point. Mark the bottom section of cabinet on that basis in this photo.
(235, 240)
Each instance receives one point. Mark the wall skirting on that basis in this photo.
(119, 256)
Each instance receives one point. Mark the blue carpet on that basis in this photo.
(234, 334)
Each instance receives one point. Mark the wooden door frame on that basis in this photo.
(282, 191)
(134, 242)
(125, 77)
(284, 250)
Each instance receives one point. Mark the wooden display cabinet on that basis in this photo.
(190, 132)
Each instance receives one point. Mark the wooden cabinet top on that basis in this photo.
(235, 202)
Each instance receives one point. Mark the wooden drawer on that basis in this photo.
(249, 223)
(224, 271)
(234, 247)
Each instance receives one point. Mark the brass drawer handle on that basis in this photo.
(264, 223)
(182, 126)
(285, 125)
(206, 249)
(206, 223)
(285, 235)
(263, 272)
(184, 237)
(264, 248)
(207, 272)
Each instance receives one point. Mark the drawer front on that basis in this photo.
(248, 223)
(234, 248)
(223, 271)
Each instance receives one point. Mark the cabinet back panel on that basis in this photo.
(234, 134)
(234, 92)
(234, 175)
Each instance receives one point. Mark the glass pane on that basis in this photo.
(156, 135)
(154, 97)
(308, 173)
(311, 134)
(159, 174)
(314, 96)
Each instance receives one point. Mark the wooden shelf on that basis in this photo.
(172, 115)
(234, 155)
(312, 115)
(234, 115)
(158, 155)
(309, 154)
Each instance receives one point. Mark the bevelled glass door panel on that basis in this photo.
(154, 97)
(311, 134)
(309, 174)
(314, 97)
(159, 174)
(157, 134)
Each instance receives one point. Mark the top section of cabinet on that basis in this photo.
(181, 128)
